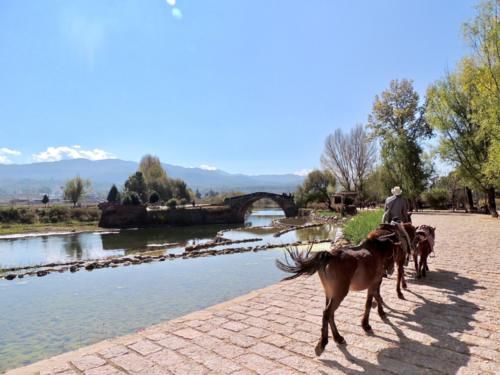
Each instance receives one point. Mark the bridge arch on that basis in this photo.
(241, 203)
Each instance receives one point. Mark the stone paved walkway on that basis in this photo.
(449, 323)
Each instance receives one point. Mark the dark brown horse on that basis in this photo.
(346, 269)
(424, 245)
(406, 235)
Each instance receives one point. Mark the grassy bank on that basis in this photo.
(17, 220)
(6, 229)
(358, 227)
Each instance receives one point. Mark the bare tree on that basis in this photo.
(350, 157)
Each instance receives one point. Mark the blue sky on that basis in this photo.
(244, 86)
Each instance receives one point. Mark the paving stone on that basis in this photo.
(188, 333)
(132, 362)
(113, 351)
(104, 370)
(88, 362)
(145, 347)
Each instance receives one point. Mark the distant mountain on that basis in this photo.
(31, 180)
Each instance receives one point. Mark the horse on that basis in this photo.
(423, 244)
(342, 270)
(406, 235)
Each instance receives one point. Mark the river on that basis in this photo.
(42, 317)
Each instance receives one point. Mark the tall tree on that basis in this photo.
(318, 186)
(465, 106)
(398, 121)
(135, 183)
(350, 157)
(156, 177)
(114, 195)
(75, 189)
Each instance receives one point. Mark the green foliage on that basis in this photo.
(437, 198)
(75, 189)
(183, 202)
(136, 184)
(398, 121)
(154, 197)
(356, 229)
(45, 199)
(131, 198)
(172, 203)
(114, 195)
(180, 190)
(318, 186)
(17, 215)
(465, 106)
(197, 194)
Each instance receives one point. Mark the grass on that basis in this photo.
(16, 228)
(358, 226)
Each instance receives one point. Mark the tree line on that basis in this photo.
(461, 110)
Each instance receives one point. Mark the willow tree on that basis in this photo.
(397, 120)
(465, 107)
(75, 189)
(155, 176)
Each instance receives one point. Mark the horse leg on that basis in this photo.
(415, 259)
(424, 265)
(380, 302)
(366, 316)
(400, 277)
(336, 300)
(323, 341)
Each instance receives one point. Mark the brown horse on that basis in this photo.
(346, 269)
(406, 235)
(424, 245)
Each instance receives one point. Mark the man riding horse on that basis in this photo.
(396, 207)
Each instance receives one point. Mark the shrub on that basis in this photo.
(9, 215)
(183, 202)
(360, 225)
(154, 197)
(113, 195)
(172, 203)
(436, 198)
(57, 214)
(131, 198)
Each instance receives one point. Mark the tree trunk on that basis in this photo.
(492, 206)
(470, 201)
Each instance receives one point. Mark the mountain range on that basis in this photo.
(31, 180)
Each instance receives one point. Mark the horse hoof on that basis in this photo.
(339, 340)
(382, 315)
(374, 304)
(367, 327)
(401, 296)
(319, 349)
(405, 286)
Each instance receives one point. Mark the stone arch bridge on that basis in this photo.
(241, 203)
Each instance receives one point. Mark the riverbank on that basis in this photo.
(43, 228)
(275, 329)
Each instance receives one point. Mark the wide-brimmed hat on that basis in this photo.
(396, 190)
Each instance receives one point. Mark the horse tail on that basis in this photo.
(303, 263)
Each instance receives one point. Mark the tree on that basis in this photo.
(45, 199)
(398, 121)
(154, 197)
(465, 106)
(75, 189)
(318, 186)
(135, 183)
(350, 157)
(180, 190)
(113, 195)
(131, 198)
(155, 176)
(197, 194)
(172, 203)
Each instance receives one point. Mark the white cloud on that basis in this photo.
(9, 151)
(207, 167)
(71, 152)
(5, 152)
(171, 2)
(176, 12)
(303, 172)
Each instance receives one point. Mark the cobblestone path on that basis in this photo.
(449, 323)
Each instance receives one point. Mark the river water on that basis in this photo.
(42, 317)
